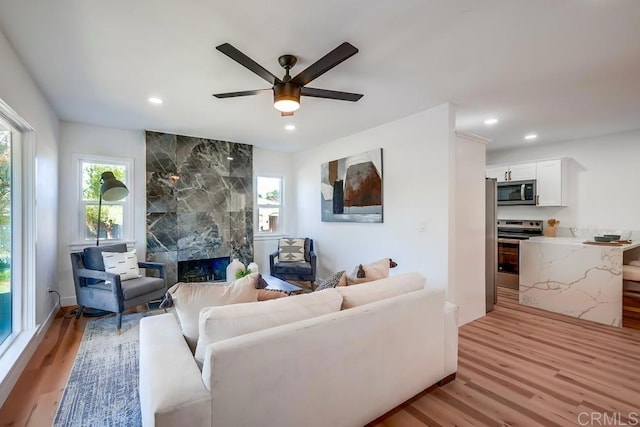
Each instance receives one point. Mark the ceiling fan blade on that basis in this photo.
(283, 114)
(243, 93)
(331, 94)
(247, 62)
(324, 64)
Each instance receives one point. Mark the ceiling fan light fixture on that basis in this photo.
(287, 91)
(286, 97)
(286, 105)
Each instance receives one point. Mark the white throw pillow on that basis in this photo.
(220, 323)
(375, 271)
(189, 298)
(123, 263)
(366, 293)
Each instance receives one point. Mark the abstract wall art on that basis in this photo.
(351, 188)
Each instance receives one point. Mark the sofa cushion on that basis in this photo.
(353, 296)
(291, 250)
(141, 286)
(299, 267)
(189, 298)
(123, 263)
(332, 281)
(375, 271)
(223, 322)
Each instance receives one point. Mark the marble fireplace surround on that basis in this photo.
(199, 200)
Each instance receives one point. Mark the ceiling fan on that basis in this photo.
(287, 91)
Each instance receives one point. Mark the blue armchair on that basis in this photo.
(98, 289)
(304, 270)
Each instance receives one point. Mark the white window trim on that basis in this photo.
(265, 235)
(23, 161)
(128, 226)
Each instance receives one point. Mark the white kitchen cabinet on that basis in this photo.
(522, 171)
(551, 183)
(550, 175)
(498, 172)
(515, 172)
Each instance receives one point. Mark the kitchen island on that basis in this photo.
(567, 276)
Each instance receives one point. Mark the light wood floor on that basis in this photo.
(518, 366)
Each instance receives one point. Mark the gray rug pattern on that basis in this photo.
(103, 385)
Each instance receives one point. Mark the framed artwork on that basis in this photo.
(351, 188)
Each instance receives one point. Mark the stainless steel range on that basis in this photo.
(510, 233)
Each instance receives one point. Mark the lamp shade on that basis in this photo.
(286, 97)
(111, 189)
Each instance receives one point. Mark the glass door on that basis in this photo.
(6, 313)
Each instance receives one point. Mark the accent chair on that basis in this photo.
(295, 259)
(102, 290)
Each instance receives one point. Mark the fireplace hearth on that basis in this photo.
(203, 270)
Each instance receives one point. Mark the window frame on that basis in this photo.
(128, 203)
(23, 211)
(280, 206)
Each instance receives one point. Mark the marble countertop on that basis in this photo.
(576, 241)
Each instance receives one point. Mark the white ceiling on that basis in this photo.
(564, 69)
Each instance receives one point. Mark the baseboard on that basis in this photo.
(26, 343)
(446, 380)
(68, 301)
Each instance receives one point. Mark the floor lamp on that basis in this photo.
(111, 190)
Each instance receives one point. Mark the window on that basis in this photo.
(6, 201)
(115, 216)
(269, 198)
(17, 227)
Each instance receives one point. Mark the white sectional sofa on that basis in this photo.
(388, 341)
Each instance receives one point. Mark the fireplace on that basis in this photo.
(199, 202)
(203, 270)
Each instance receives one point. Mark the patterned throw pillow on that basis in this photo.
(291, 250)
(123, 263)
(332, 281)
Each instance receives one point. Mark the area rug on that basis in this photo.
(103, 385)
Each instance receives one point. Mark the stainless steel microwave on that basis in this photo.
(517, 192)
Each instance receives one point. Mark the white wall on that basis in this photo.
(276, 163)
(467, 276)
(416, 155)
(97, 141)
(18, 90)
(604, 180)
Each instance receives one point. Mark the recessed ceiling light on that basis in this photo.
(290, 127)
(530, 137)
(490, 122)
(155, 100)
